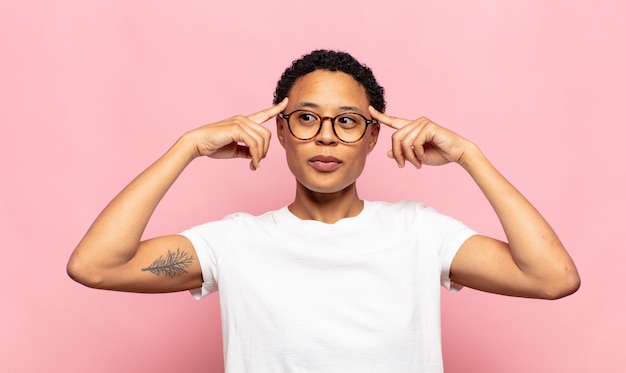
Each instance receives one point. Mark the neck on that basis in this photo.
(326, 207)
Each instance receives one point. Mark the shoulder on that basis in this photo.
(414, 215)
(235, 222)
(404, 208)
(396, 205)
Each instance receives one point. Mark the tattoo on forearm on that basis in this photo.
(172, 265)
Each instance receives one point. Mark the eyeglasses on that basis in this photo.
(348, 127)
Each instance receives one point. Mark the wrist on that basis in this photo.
(186, 147)
(472, 158)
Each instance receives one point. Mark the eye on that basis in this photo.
(349, 120)
(307, 118)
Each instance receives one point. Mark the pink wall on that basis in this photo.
(92, 92)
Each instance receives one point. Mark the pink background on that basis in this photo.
(92, 92)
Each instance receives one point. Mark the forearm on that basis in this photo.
(534, 246)
(114, 236)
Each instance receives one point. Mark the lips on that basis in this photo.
(325, 163)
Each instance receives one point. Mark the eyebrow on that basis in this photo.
(307, 104)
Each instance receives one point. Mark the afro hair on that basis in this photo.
(332, 61)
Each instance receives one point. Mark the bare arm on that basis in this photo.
(534, 262)
(112, 255)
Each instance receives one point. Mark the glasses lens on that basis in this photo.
(304, 124)
(350, 127)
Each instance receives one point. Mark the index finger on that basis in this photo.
(387, 120)
(269, 113)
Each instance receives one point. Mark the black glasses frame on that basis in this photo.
(332, 122)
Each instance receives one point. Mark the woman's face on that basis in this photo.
(324, 164)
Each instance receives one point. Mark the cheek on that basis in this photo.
(292, 156)
(358, 163)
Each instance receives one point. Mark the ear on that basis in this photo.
(280, 130)
(374, 131)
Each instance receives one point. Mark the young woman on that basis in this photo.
(330, 282)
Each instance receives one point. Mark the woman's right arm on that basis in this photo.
(112, 255)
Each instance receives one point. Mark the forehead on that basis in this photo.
(328, 90)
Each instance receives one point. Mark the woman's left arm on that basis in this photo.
(533, 263)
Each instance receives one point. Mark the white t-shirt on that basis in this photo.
(361, 295)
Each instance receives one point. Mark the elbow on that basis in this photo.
(82, 273)
(567, 284)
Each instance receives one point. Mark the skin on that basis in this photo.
(112, 255)
(327, 196)
(533, 263)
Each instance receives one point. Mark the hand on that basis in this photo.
(422, 142)
(237, 137)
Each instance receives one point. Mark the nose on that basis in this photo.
(326, 135)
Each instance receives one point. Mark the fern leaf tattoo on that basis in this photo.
(172, 265)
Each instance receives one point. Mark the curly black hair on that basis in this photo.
(332, 61)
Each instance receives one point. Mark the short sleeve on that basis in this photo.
(448, 257)
(207, 263)
(449, 235)
(209, 240)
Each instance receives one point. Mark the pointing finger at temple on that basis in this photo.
(387, 120)
(265, 115)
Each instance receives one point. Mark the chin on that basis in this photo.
(327, 189)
